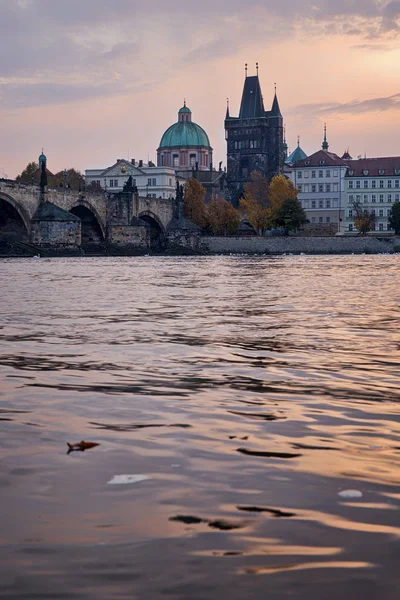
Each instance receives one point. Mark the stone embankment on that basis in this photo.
(294, 245)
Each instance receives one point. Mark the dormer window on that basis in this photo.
(308, 162)
(321, 162)
(350, 172)
(381, 171)
(365, 172)
(397, 171)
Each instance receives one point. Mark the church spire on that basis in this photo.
(227, 109)
(325, 145)
(275, 111)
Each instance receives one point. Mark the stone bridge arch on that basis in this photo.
(21, 211)
(82, 208)
(157, 229)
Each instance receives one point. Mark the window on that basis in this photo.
(111, 182)
(328, 187)
(321, 219)
(358, 197)
(320, 204)
(358, 184)
(373, 198)
(170, 182)
(320, 174)
(351, 198)
(300, 188)
(328, 173)
(175, 160)
(335, 173)
(320, 187)
(389, 212)
(397, 183)
(162, 160)
(313, 188)
(389, 183)
(397, 197)
(328, 204)
(335, 187)
(389, 198)
(192, 160)
(388, 227)
(351, 185)
(133, 181)
(350, 226)
(149, 181)
(373, 184)
(306, 187)
(365, 184)
(313, 174)
(381, 197)
(328, 219)
(365, 198)
(313, 204)
(307, 174)
(380, 226)
(154, 181)
(300, 175)
(381, 183)
(381, 212)
(350, 213)
(373, 212)
(312, 219)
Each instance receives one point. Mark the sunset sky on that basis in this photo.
(96, 80)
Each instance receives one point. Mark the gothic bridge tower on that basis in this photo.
(254, 138)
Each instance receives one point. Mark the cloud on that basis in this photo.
(355, 107)
(80, 46)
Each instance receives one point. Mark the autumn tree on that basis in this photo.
(290, 215)
(363, 219)
(194, 201)
(222, 217)
(30, 174)
(279, 190)
(255, 204)
(72, 177)
(394, 219)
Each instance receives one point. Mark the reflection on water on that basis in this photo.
(232, 399)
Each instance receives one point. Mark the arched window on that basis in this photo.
(176, 160)
(162, 160)
(192, 160)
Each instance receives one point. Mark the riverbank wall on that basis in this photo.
(295, 245)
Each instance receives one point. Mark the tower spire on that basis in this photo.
(298, 141)
(257, 68)
(245, 69)
(325, 145)
(227, 109)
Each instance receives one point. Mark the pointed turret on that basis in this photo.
(325, 145)
(252, 105)
(275, 110)
(227, 109)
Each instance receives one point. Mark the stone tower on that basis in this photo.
(254, 139)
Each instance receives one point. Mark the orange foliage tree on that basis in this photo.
(194, 201)
(222, 217)
(255, 204)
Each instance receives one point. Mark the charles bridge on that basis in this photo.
(86, 217)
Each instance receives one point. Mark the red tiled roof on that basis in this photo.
(322, 158)
(373, 166)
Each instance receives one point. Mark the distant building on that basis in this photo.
(151, 181)
(375, 182)
(297, 154)
(320, 181)
(254, 139)
(185, 145)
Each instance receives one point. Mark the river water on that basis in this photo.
(235, 401)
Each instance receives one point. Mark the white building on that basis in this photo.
(320, 181)
(151, 181)
(375, 182)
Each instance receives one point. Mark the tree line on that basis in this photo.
(263, 205)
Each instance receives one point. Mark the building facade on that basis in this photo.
(375, 183)
(185, 145)
(151, 181)
(254, 139)
(320, 181)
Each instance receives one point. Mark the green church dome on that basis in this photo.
(184, 133)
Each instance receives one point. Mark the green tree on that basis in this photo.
(363, 219)
(30, 174)
(394, 219)
(194, 206)
(222, 217)
(255, 204)
(290, 215)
